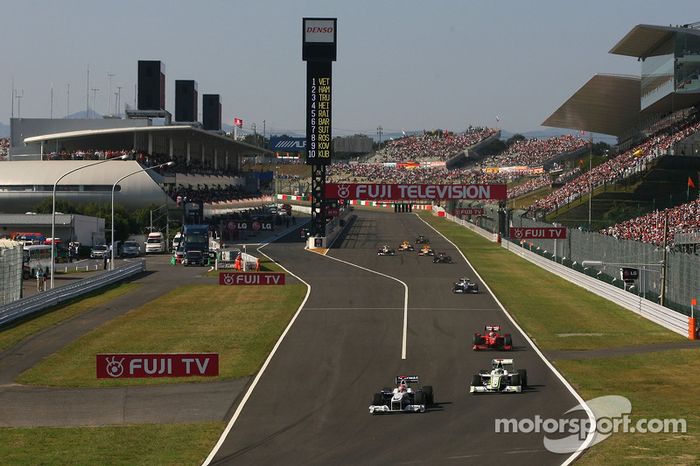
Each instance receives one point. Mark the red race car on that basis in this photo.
(492, 339)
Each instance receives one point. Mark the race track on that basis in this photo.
(310, 405)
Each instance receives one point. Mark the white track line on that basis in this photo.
(248, 393)
(591, 417)
(405, 299)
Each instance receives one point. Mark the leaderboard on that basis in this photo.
(318, 113)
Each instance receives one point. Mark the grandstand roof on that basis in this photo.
(173, 129)
(607, 104)
(645, 38)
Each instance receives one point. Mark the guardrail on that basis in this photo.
(27, 306)
(650, 310)
(667, 318)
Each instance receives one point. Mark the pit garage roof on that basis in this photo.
(182, 130)
(643, 39)
(607, 104)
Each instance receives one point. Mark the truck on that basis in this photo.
(195, 244)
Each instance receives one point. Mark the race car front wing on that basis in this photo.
(376, 409)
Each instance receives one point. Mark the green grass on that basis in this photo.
(548, 306)
(10, 336)
(241, 323)
(660, 385)
(170, 444)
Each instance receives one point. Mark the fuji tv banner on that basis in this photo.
(287, 144)
(415, 192)
(131, 366)
(538, 233)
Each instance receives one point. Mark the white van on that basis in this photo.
(155, 243)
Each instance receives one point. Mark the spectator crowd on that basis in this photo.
(650, 228)
(632, 161)
(436, 145)
(535, 152)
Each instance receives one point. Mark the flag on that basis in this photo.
(238, 122)
(498, 118)
(638, 153)
(691, 184)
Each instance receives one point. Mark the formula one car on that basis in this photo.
(426, 250)
(386, 251)
(403, 398)
(422, 240)
(502, 378)
(464, 285)
(492, 339)
(442, 258)
(406, 246)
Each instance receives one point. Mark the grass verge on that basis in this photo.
(558, 315)
(172, 444)
(12, 335)
(660, 384)
(241, 323)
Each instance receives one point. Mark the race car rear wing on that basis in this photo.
(407, 379)
(502, 361)
(492, 328)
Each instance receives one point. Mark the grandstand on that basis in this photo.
(657, 122)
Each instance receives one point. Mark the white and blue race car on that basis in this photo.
(403, 398)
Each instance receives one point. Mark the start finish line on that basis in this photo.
(415, 192)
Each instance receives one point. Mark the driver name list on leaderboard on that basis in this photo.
(321, 117)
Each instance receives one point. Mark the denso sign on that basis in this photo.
(124, 366)
(538, 233)
(413, 192)
(319, 30)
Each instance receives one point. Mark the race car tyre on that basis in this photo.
(419, 398)
(428, 390)
(476, 381)
(523, 377)
(515, 379)
(508, 340)
(377, 399)
(478, 339)
(500, 342)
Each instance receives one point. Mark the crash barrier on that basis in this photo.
(336, 226)
(650, 310)
(11, 255)
(247, 263)
(227, 259)
(28, 306)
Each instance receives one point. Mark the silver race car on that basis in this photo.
(465, 285)
(502, 378)
(386, 251)
(403, 398)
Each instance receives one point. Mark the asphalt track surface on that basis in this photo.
(310, 405)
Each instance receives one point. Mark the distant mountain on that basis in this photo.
(82, 115)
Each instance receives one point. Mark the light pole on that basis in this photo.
(167, 164)
(53, 209)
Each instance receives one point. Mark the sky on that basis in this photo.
(402, 65)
